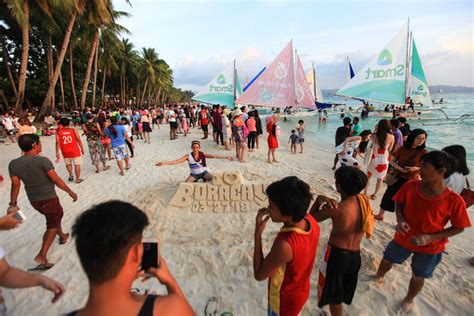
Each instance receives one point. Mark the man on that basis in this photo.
(204, 120)
(341, 134)
(9, 127)
(109, 244)
(351, 219)
(40, 178)
(173, 124)
(356, 128)
(69, 142)
(423, 209)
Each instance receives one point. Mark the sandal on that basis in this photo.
(79, 180)
(63, 241)
(70, 179)
(42, 267)
(378, 217)
(128, 167)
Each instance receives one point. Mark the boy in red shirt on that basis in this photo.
(289, 263)
(69, 141)
(423, 208)
(204, 120)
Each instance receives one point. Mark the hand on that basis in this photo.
(412, 169)
(422, 240)
(325, 200)
(159, 164)
(229, 158)
(13, 209)
(162, 273)
(403, 170)
(73, 196)
(263, 215)
(53, 286)
(402, 227)
(9, 221)
(57, 160)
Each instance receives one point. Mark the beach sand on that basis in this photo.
(210, 253)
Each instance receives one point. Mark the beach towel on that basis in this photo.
(367, 215)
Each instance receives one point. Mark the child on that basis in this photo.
(293, 140)
(351, 219)
(423, 209)
(69, 142)
(184, 125)
(300, 129)
(290, 261)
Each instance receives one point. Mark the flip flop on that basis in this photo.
(128, 167)
(42, 267)
(63, 241)
(70, 179)
(79, 180)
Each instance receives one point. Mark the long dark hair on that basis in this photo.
(383, 128)
(111, 127)
(411, 138)
(458, 152)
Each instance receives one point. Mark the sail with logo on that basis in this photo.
(419, 91)
(383, 79)
(220, 90)
(279, 86)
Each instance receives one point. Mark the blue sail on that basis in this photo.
(255, 78)
(351, 71)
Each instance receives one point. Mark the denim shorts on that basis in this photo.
(422, 264)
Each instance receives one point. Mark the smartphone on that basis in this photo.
(19, 215)
(151, 253)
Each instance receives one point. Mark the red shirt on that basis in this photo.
(68, 143)
(429, 215)
(203, 117)
(288, 289)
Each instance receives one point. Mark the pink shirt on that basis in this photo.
(251, 124)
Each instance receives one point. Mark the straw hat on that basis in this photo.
(236, 112)
(226, 112)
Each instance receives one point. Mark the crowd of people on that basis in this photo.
(426, 190)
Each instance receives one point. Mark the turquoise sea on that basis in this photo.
(440, 134)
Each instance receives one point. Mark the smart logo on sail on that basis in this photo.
(219, 88)
(385, 59)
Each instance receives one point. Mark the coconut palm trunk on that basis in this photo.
(61, 85)
(25, 29)
(144, 90)
(89, 69)
(94, 84)
(104, 75)
(7, 67)
(45, 109)
(71, 71)
(50, 66)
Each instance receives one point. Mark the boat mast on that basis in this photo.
(294, 78)
(407, 62)
(314, 83)
(235, 83)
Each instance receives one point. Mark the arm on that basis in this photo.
(173, 162)
(57, 147)
(125, 134)
(394, 164)
(325, 213)
(61, 184)
(99, 129)
(281, 252)
(79, 141)
(11, 277)
(15, 190)
(219, 157)
(392, 141)
(402, 226)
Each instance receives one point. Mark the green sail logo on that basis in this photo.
(385, 58)
(221, 79)
(420, 87)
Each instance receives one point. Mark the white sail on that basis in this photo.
(419, 91)
(313, 82)
(383, 78)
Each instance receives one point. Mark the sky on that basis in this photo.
(199, 38)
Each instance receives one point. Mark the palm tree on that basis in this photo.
(129, 60)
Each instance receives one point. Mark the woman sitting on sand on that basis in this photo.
(197, 163)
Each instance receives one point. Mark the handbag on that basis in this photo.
(468, 195)
(391, 179)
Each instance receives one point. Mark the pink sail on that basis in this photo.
(304, 96)
(275, 87)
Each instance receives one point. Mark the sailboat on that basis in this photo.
(316, 89)
(223, 89)
(389, 77)
(281, 85)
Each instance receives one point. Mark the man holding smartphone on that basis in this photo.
(109, 244)
(40, 178)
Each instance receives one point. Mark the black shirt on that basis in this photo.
(341, 134)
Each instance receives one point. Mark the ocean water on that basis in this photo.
(440, 134)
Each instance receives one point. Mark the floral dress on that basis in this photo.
(378, 165)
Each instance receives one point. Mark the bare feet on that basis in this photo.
(373, 196)
(128, 167)
(269, 161)
(379, 217)
(407, 305)
(41, 259)
(276, 161)
(243, 161)
(122, 173)
(62, 241)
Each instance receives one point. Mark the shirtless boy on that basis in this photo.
(351, 219)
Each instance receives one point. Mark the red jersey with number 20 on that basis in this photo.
(203, 117)
(68, 143)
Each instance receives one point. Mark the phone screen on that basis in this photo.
(150, 255)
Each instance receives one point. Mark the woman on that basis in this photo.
(240, 133)
(272, 139)
(93, 131)
(226, 128)
(125, 122)
(252, 127)
(146, 129)
(406, 166)
(382, 142)
(104, 122)
(118, 134)
(25, 127)
(259, 127)
(197, 163)
(351, 148)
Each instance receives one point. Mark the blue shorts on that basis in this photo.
(422, 264)
(199, 176)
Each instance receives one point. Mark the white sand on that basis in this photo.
(211, 253)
